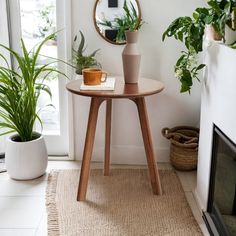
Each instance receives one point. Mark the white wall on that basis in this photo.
(218, 107)
(170, 108)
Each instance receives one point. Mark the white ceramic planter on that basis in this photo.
(26, 160)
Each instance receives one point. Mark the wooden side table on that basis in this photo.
(134, 92)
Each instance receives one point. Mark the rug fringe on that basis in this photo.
(53, 224)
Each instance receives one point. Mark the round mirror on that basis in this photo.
(112, 18)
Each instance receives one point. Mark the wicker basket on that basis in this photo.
(184, 146)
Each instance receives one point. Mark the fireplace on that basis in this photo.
(221, 209)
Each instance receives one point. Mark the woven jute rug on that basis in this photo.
(121, 204)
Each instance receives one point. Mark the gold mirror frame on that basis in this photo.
(97, 28)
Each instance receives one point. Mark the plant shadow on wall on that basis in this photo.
(130, 20)
(82, 61)
(20, 89)
(190, 31)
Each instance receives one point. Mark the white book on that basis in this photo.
(108, 85)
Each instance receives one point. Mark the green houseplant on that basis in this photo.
(190, 31)
(127, 26)
(82, 61)
(130, 56)
(20, 88)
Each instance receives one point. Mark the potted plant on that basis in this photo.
(130, 55)
(20, 88)
(82, 61)
(190, 31)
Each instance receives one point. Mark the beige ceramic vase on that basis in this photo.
(131, 58)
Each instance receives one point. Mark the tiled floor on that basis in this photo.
(22, 203)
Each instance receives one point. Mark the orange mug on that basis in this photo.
(93, 76)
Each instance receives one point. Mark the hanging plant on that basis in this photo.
(190, 31)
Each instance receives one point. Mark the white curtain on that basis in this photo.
(4, 39)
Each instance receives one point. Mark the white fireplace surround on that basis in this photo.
(218, 107)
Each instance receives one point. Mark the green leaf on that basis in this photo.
(186, 81)
(208, 19)
(180, 60)
(81, 45)
(180, 36)
(227, 8)
(201, 66)
(94, 53)
(196, 16)
(214, 5)
(202, 11)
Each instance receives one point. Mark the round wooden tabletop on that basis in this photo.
(144, 87)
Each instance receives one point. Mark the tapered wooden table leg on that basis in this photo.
(88, 148)
(108, 137)
(147, 139)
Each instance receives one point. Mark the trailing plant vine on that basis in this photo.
(190, 31)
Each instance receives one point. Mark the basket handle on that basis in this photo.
(165, 133)
(185, 145)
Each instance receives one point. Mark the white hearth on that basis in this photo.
(218, 107)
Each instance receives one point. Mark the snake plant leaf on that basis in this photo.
(94, 53)
(81, 45)
(134, 12)
(127, 11)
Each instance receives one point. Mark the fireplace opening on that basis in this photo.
(221, 210)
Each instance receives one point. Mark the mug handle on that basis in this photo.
(104, 79)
